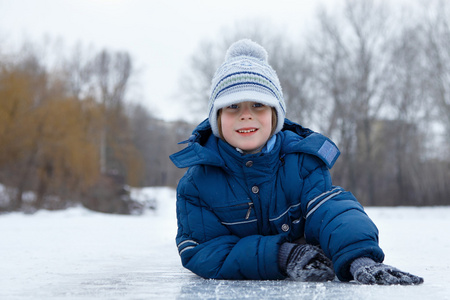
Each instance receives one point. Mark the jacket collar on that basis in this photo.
(203, 148)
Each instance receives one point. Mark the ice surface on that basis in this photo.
(79, 254)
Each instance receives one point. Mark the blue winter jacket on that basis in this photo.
(234, 210)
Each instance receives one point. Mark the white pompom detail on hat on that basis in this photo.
(246, 47)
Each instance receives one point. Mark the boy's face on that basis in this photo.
(246, 125)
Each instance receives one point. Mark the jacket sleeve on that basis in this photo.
(336, 220)
(208, 249)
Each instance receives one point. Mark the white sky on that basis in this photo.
(160, 35)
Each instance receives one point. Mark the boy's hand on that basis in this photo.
(378, 273)
(309, 263)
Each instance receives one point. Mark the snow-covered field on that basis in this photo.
(79, 254)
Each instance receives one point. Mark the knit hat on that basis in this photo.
(245, 76)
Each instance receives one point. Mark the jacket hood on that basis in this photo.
(203, 149)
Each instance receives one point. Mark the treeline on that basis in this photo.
(372, 75)
(68, 133)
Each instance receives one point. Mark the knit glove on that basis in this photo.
(366, 271)
(305, 263)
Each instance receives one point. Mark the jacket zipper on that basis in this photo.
(250, 204)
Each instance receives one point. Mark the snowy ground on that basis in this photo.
(79, 254)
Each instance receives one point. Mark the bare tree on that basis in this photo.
(111, 73)
(350, 67)
(405, 93)
(79, 73)
(195, 82)
(438, 58)
(156, 140)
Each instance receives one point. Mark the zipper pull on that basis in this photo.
(250, 204)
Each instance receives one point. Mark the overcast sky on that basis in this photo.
(160, 35)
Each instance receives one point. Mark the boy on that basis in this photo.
(257, 201)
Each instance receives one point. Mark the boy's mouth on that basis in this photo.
(246, 130)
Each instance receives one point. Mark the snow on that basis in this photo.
(80, 254)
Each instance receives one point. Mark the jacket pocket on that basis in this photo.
(240, 218)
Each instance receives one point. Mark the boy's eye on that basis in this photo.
(233, 106)
(258, 105)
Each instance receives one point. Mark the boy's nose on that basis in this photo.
(246, 113)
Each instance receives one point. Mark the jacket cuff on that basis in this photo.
(283, 255)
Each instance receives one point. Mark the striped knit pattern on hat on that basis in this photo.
(245, 76)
